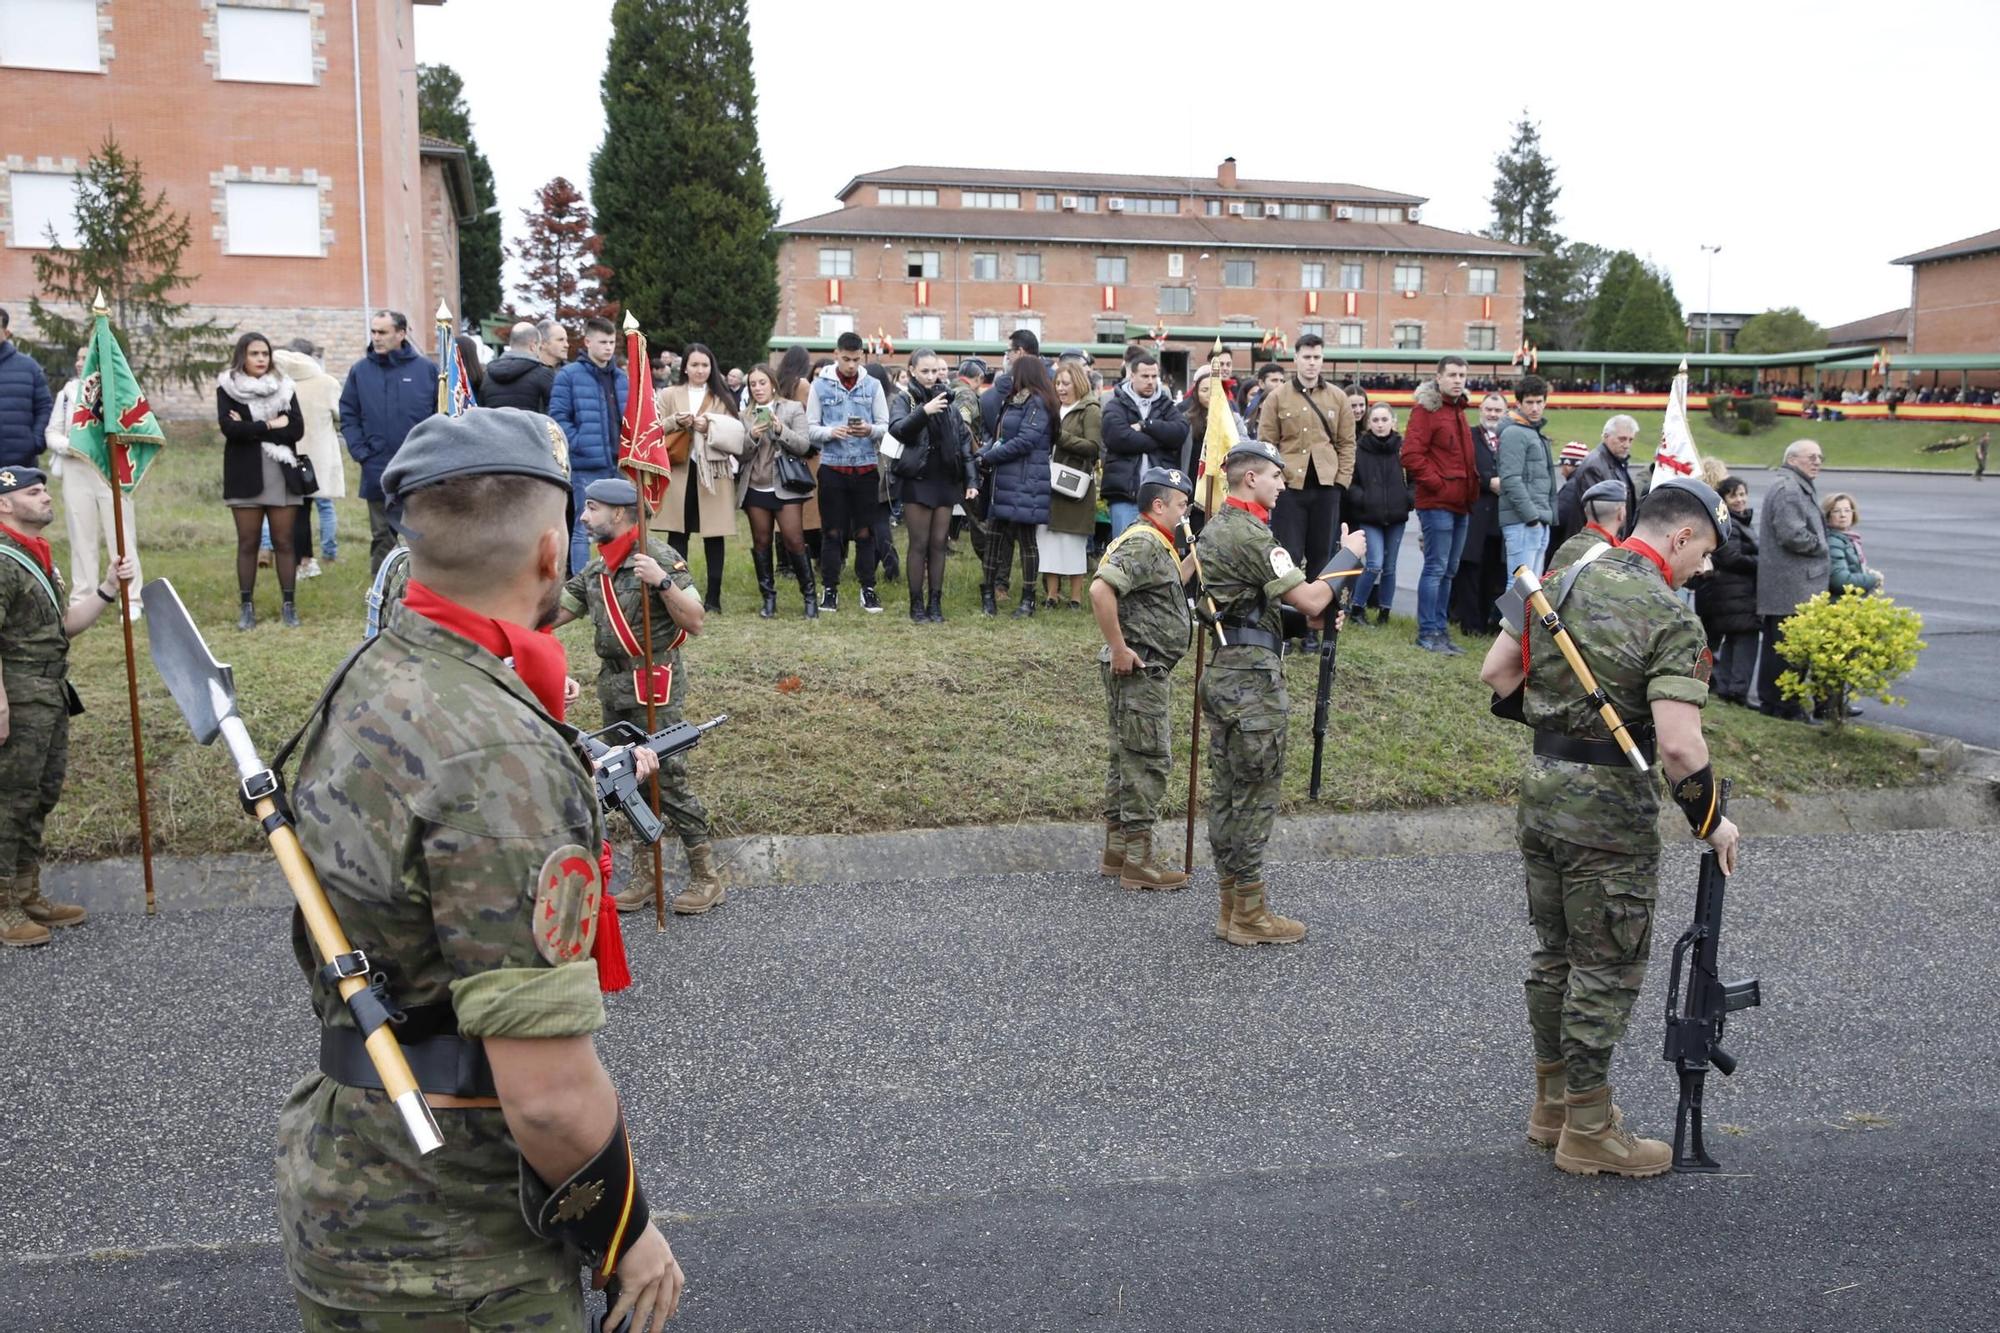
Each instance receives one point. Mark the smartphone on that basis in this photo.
(855, 423)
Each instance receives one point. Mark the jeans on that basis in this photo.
(1444, 544)
(1525, 544)
(1124, 513)
(1379, 574)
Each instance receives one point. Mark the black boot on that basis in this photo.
(767, 582)
(288, 616)
(934, 611)
(918, 615)
(246, 614)
(1026, 609)
(802, 570)
(987, 606)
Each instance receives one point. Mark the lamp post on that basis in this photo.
(1708, 315)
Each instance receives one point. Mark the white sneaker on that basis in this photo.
(309, 570)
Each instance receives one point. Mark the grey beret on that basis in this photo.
(612, 491)
(20, 479)
(1169, 476)
(1256, 449)
(1608, 489)
(1718, 512)
(482, 441)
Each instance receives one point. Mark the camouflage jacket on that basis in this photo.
(583, 596)
(456, 833)
(31, 627)
(1247, 573)
(1573, 549)
(1642, 644)
(1152, 603)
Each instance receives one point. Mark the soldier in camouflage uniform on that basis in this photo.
(37, 621)
(1588, 821)
(1140, 599)
(457, 834)
(611, 513)
(1248, 574)
(1603, 517)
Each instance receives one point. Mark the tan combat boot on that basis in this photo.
(1594, 1139)
(1228, 907)
(1251, 922)
(1113, 860)
(1141, 870)
(1545, 1121)
(704, 890)
(40, 910)
(16, 930)
(637, 893)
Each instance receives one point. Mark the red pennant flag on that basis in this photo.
(1353, 304)
(1027, 295)
(1486, 307)
(833, 291)
(642, 441)
(923, 292)
(1110, 298)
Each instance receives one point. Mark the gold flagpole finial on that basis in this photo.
(443, 314)
(97, 306)
(631, 324)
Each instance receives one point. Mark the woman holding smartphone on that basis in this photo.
(774, 425)
(702, 497)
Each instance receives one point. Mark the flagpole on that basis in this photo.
(446, 347)
(1200, 639)
(119, 467)
(635, 356)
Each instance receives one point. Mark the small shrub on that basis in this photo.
(1854, 645)
(1743, 426)
(1762, 413)
(1722, 408)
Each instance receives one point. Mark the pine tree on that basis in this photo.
(562, 276)
(1524, 212)
(1786, 330)
(130, 247)
(682, 202)
(1645, 322)
(441, 111)
(1621, 271)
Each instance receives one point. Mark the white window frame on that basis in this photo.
(1357, 272)
(897, 196)
(1312, 276)
(1313, 326)
(1482, 281)
(1396, 335)
(1183, 306)
(1028, 266)
(1407, 278)
(833, 323)
(42, 190)
(1234, 265)
(1112, 270)
(1032, 323)
(927, 262)
(986, 328)
(989, 199)
(923, 328)
(245, 45)
(835, 262)
(1487, 341)
(1350, 333)
(247, 238)
(60, 35)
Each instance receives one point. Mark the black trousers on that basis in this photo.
(850, 508)
(1482, 577)
(1769, 665)
(1306, 523)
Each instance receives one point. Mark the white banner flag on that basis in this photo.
(1676, 456)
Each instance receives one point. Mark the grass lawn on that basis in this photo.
(1873, 444)
(890, 725)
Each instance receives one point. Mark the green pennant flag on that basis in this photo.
(113, 425)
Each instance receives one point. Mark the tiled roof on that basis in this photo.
(1113, 182)
(1122, 229)
(1890, 324)
(1971, 245)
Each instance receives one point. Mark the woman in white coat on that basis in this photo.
(319, 404)
(705, 440)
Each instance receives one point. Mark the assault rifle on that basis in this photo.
(1698, 1002)
(1329, 648)
(617, 772)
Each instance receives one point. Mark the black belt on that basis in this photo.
(1579, 750)
(1247, 636)
(442, 1061)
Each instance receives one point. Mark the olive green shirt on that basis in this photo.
(1140, 566)
(1247, 572)
(583, 596)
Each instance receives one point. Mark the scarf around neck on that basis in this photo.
(266, 395)
(536, 656)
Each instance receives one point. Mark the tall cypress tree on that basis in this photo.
(1613, 289)
(682, 204)
(1524, 212)
(441, 111)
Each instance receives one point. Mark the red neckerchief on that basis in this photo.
(1592, 527)
(615, 550)
(1250, 507)
(1157, 528)
(37, 547)
(1659, 561)
(847, 383)
(536, 656)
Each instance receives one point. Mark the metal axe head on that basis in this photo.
(203, 688)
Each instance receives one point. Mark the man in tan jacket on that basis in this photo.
(1309, 422)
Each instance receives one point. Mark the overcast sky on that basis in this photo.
(1812, 142)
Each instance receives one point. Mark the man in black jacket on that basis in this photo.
(992, 402)
(518, 377)
(1143, 428)
(1606, 463)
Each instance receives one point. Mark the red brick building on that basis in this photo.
(1955, 297)
(285, 129)
(950, 254)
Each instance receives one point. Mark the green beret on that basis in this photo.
(481, 441)
(612, 491)
(20, 479)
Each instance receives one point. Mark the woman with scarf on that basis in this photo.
(699, 416)
(1063, 543)
(1379, 501)
(1018, 463)
(258, 409)
(773, 425)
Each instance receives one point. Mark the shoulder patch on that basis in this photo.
(1704, 665)
(1281, 561)
(566, 902)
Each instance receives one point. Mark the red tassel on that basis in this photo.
(613, 975)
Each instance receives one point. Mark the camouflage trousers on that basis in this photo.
(682, 810)
(1246, 706)
(1593, 916)
(557, 1311)
(32, 764)
(1141, 746)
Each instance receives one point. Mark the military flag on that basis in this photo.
(642, 441)
(1218, 440)
(113, 425)
(454, 380)
(1676, 456)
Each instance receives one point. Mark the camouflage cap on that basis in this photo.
(1257, 449)
(481, 441)
(20, 479)
(1712, 504)
(612, 491)
(1607, 489)
(1169, 476)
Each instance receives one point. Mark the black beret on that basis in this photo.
(1608, 489)
(1169, 476)
(1718, 512)
(1256, 449)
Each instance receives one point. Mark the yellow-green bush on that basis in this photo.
(1857, 644)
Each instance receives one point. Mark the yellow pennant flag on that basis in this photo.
(1218, 440)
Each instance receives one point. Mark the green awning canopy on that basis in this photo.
(1966, 361)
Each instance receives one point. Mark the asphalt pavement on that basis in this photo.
(1036, 1102)
(1928, 534)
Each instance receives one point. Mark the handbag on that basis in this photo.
(794, 476)
(300, 478)
(1071, 483)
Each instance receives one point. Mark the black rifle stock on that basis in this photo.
(1698, 1004)
(1329, 649)
(617, 773)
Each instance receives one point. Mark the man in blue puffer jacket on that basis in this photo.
(588, 402)
(25, 403)
(388, 391)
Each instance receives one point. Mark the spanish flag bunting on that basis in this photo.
(833, 291)
(1027, 295)
(923, 291)
(1312, 303)
(1353, 302)
(1110, 298)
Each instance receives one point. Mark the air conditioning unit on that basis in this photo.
(1344, 213)
(1115, 204)
(1273, 210)
(1414, 213)
(1236, 208)
(1069, 202)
